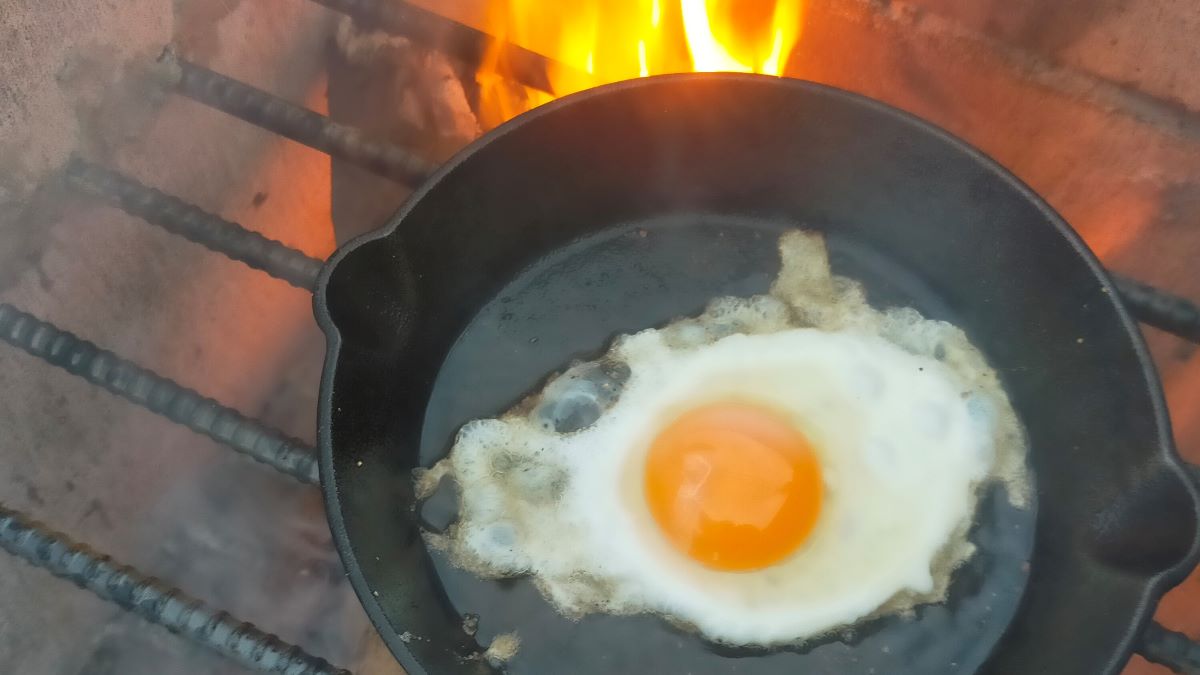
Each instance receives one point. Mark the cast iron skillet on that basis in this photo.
(627, 205)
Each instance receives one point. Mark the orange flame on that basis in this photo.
(710, 54)
(594, 42)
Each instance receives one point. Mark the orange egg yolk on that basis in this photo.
(733, 485)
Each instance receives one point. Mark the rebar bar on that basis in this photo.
(1160, 309)
(158, 394)
(153, 600)
(295, 122)
(195, 224)
(1168, 648)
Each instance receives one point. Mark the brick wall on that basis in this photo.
(1094, 103)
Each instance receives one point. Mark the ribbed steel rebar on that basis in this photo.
(195, 224)
(158, 394)
(295, 122)
(1168, 648)
(1160, 309)
(153, 600)
(461, 42)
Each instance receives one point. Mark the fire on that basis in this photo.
(592, 42)
(710, 54)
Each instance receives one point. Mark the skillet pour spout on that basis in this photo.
(625, 206)
(1153, 528)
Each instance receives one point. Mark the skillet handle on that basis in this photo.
(1168, 648)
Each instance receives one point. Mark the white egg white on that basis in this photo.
(904, 414)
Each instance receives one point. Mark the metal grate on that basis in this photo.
(194, 224)
(292, 121)
(171, 608)
(154, 601)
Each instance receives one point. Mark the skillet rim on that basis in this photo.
(1156, 586)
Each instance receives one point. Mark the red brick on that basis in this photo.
(1149, 45)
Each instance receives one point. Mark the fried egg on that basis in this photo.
(778, 467)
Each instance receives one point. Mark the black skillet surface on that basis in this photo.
(665, 192)
(648, 273)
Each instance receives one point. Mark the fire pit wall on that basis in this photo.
(1093, 103)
